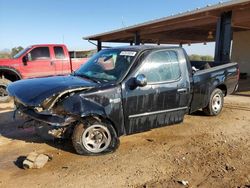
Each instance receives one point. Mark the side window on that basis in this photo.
(59, 53)
(39, 53)
(161, 66)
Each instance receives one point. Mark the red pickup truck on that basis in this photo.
(36, 61)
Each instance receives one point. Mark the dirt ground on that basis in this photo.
(205, 151)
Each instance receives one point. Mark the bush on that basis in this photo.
(195, 57)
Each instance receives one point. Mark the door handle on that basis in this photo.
(52, 63)
(182, 90)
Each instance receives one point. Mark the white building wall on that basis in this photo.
(241, 50)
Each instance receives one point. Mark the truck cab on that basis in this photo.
(48, 59)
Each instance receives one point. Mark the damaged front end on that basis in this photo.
(50, 112)
(46, 108)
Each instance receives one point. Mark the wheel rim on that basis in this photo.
(3, 91)
(96, 138)
(217, 103)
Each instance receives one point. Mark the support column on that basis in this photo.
(223, 38)
(99, 45)
(137, 39)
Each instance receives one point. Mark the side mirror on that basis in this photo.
(141, 80)
(25, 60)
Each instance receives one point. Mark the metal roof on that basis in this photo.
(195, 21)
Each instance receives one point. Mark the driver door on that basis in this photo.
(39, 63)
(160, 102)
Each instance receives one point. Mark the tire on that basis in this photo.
(215, 104)
(94, 137)
(4, 97)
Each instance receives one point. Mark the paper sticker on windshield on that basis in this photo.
(128, 53)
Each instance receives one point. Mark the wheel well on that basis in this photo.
(9, 74)
(103, 119)
(223, 88)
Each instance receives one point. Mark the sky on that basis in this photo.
(26, 22)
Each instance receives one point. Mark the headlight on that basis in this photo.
(38, 109)
(47, 103)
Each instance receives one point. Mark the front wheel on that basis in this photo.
(94, 138)
(4, 97)
(215, 104)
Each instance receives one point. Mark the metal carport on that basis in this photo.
(215, 23)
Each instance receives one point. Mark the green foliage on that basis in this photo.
(90, 53)
(207, 58)
(195, 57)
(82, 54)
(15, 50)
(4, 55)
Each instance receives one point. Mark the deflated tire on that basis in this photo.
(94, 137)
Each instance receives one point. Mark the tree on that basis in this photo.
(207, 58)
(4, 55)
(15, 50)
(195, 57)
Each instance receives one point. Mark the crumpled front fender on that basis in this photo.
(79, 106)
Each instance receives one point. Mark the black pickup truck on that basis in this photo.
(122, 91)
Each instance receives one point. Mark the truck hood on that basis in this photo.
(7, 62)
(32, 92)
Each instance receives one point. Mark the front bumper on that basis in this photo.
(51, 119)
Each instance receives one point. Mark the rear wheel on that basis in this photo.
(4, 97)
(94, 137)
(216, 102)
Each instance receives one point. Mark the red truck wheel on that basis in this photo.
(4, 97)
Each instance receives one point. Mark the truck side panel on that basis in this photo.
(157, 103)
(205, 81)
(77, 62)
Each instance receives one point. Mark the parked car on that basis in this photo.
(36, 61)
(122, 91)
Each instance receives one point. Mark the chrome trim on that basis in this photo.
(182, 90)
(157, 112)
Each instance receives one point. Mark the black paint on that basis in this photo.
(120, 103)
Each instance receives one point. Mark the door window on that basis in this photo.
(59, 53)
(161, 66)
(40, 53)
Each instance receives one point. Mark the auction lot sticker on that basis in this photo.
(128, 53)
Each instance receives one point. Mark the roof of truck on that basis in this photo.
(145, 47)
(40, 45)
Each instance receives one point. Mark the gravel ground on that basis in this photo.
(201, 152)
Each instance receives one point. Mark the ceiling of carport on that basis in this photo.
(190, 27)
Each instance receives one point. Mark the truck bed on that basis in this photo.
(206, 80)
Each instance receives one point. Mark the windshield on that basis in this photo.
(19, 54)
(107, 65)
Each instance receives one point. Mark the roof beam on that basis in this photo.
(196, 22)
(179, 38)
(241, 15)
(183, 25)
(241, 27)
